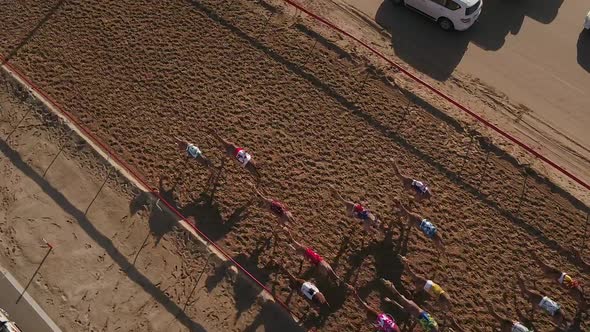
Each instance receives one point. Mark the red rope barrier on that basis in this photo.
(441, 94)
(141, 180)
(137, 176)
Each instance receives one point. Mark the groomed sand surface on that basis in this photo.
(107, 272)
(140, 72)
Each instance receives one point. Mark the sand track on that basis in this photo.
(138, 72)
(107, 272)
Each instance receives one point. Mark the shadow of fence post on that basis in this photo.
(36, 271)
(261, 33)
(585, 233)
(205, 268)
(101, 186)
(17, 125)
(467, 152)
(63, 145)
(310, 53)
(523, 192)
(406, 110)
(484, 171)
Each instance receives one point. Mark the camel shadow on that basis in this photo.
(206, 215)
(161, 220)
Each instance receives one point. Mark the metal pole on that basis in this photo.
(99, 190)
(36, 271)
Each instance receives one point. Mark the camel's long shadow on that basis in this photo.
(398, 139)
(119, 258)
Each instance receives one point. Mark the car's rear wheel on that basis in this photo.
(397, 2)
(445, 24)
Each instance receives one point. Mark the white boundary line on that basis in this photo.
(266, 296)
(30, 300)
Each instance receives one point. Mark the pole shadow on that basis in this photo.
(32, 33)
(105, 242)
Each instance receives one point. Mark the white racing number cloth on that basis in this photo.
(549, 305)
(428, 228)
(419, 186)
(428, 286)
(243, 157)
(193, 151)
(517, 327)
(309, 290)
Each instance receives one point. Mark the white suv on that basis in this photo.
(449, 14)
(5, 324)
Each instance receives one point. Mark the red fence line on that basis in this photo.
(141, 180)
(136, 175)
(443, 95)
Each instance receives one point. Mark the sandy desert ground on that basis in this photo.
(105, 273)
(140, 72)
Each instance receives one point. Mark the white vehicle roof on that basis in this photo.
(9, 327)
(467, 3)
(6, 325)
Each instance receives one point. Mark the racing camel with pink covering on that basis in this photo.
(237, 153)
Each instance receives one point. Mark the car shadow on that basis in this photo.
(436, 53)
(584, 49)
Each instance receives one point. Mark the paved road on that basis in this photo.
(26, 313)
(534, 51)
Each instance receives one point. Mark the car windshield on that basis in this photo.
(472, 9)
